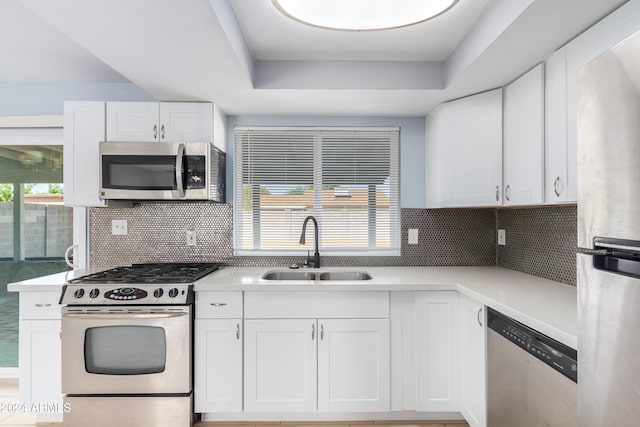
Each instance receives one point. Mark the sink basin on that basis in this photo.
(290, 275)
(311, 275)
(345, 275)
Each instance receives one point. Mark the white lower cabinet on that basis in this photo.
(40, 358)
(328, 365)
(353, 365)
(280, 365)
(218, 352)
(305, 352)
(473, 404)
(436, 350)
(218, 365)
(317, 351)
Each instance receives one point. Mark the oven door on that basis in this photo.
(126, 350)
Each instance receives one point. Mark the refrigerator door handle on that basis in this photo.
(593, 252)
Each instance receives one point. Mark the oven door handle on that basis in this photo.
(124, 316)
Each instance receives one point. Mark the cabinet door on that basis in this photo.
(437, 352)
(473, 362)
(41, 365)
(280, 365)
(186, 122)
(524, 139)
(556, 150)
(472, 151)
(133, 121)
(353, 365)
(218, 365)
(84, 128)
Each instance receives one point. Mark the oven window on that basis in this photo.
(125, 350)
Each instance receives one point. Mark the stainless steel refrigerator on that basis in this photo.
(609, 238)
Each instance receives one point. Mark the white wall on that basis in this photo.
(27, 99)
(412, 137)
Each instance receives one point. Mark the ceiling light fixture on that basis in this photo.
(362, 15)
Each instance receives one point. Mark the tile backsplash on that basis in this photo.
(540, 241)
(157, 233)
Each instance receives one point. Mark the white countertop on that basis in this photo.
(547, 306)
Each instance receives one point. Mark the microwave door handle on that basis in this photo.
(179, 171)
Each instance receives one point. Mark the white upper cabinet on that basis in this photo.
(160, 121)
(464, 152)
(523, 159)
(560, 163)
(84, 127)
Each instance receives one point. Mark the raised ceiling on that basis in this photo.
(250, 59)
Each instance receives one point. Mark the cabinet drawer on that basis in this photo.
(218, 305)
(39, 305)
(310, 304)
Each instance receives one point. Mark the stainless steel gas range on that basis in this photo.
(127, 346)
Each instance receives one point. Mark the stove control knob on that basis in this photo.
(173, 292)
(94, 293)
(158, 293)
(78, 293)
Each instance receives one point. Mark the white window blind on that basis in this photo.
(348, 178)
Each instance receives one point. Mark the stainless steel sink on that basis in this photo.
(311, 275)
(290, 275)
(345, 275)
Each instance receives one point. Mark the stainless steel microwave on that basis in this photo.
(162, 171)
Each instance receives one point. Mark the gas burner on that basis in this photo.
(150, 273)
(143, 284)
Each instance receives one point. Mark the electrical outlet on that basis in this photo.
(119, 227)
(502, 237)
(413, 236)
(191, 238)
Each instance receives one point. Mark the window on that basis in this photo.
(348, 178)
(35, 225)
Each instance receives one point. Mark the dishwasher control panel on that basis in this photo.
(560, 357)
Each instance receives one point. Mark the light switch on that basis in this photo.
(413, 236)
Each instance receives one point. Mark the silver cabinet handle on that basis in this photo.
(507, 192)
(497, 193)
(218, 304)
(480, 316)
(313, 332)
(155, 131)
(43, 305)
(162, 132)
(556, 186)
(238, 331)
(321, 332)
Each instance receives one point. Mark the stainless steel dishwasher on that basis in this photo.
(531, 377)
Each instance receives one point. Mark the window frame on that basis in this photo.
(394, 197)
